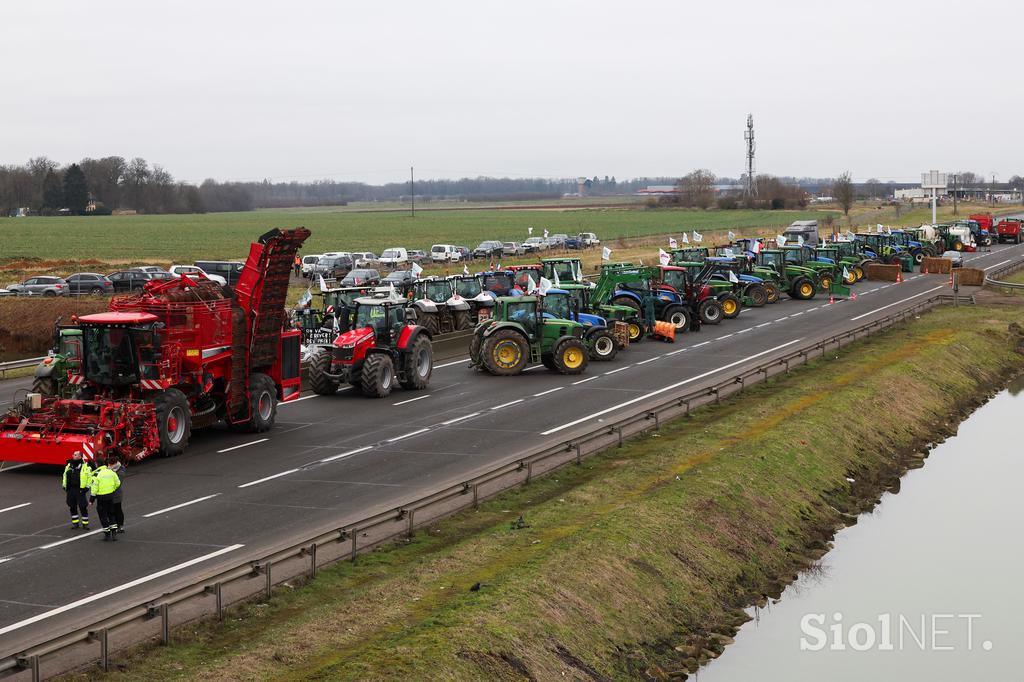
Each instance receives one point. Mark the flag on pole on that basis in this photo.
(558, 283)
(888, 230)
(323, 284)
(306, 298)
(878, 227)
(529, 231)
(465, 269)
(663, 257)
(697, 236)
(731, 236)
(799, 240)
(416, 269)
(545, 285)
(733, 278)
(545, 233)
(757, 246)
(606, 253)
(780, 240)
(686, 240)
(846, 274)
(728, 253)
(498, 269)
(672, 243)
(850, 235)
(531, 286)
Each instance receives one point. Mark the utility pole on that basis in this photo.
(955, 202)
(412, 193)
(751, 189)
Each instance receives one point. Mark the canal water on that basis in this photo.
(928, 586)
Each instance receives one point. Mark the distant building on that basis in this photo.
(658, 190)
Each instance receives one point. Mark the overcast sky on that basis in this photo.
(362, 90)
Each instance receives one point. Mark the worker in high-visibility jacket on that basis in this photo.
(76, 481)
(104, 485)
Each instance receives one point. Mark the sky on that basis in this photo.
(304, 90)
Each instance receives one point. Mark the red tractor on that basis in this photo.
(182, 354)
(385, 345)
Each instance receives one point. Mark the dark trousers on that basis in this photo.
(118, 515)
(105, 508)
(79, 505)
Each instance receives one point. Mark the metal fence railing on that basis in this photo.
(209, 594)
(18, 364)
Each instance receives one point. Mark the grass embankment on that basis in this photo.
(636, 563)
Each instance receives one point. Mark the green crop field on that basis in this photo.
(185, 238)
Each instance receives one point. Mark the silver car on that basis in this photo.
(512, 249)
(41, 286)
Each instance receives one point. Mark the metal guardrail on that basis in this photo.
(153, 617)
(18, 364)
(1007, 269)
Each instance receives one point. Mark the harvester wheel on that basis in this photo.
(461, 320)
(710, 311)
(570, 356)
(758, 295)
(678, 317)
(505, 353)
(419, 364)
(44, 386)
(730, 306)
(262, 403)
(803, 289)
(319, 366)
(602, 345)
(173, 421)
(772, 290)
(378, 375)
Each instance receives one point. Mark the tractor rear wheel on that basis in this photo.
(45, 386)
(461, 320)
(505, 353)
(710, 311)
(173, 421)
(678, 317)
(602, 345)
(858, 272)
(378, 375)
(626, 300)
(570, 356)
(803, 289)
(850, 278)
(419, 364)
(758, 295)
(730, 305)
(319, 365)
(429, 321)
(772, 290)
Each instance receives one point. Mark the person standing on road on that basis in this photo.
(104, 484)
(76, 482)
(115, 465)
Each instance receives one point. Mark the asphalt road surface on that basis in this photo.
(337, 459)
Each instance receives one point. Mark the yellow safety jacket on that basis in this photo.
(104, 481)
(84, 476)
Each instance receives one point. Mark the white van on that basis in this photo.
(393, 257)
(308, 262)
(440, 253)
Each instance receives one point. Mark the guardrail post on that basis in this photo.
(312, 560)
(412, 514)
(529, 471)
(355, 534)
(476, 495)
(579, 458)
(718, 396)
(619, 429)
(33, 664)
(165, 624)
(270, 582)
(104, 651)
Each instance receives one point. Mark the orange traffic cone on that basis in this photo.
(899, 277)
(831, 299)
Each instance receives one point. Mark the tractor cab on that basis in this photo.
(120, 349)
(562, 270)
(468, 288)
(524, 273)
(63, 360)
(500, 283)
(693, 254)
(433, 289)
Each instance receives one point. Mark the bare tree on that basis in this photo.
(697, 189)
(842, 190)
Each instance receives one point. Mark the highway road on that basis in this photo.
(335, 459)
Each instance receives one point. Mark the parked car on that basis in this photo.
(129, 280)
(228, 269)
(956, 256)
(155, 272)
(573, 243)
(557, 240)
(148, 268)
(89, 283)
(308, 262)
(360, 277)
(179, 270)
(393, 256)
(417, 256)
(41, 286)
(535, 244)
(364, 259)
(464, 253)
(488, 249)
(334, 267)
(512, 249)
(402, 280)
(589, 239)
(441, 253)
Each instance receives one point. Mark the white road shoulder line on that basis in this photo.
(346, 454)
(116, 590)
(412, 400)
(268, 478)
(463, 361)
(998, 264)
(407, 435)
(459, 419)
(550, 390)
(644, 362)
(17, 506)
(179, 506)
(244, 445)
(583, 381)
(702, 343)
(872, 312)
(299, 400)
(617, 370)
(77, 537)
(512, 402)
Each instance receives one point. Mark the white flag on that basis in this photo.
(757, 246)
(731, 236)
(529, 231)
(323, 284)
(558, 283)
(672, 243)
(697, 236)
(850, 235)
(686, 240)
(545, 285)
(545, 233)
(888, 230)
(531, 286)
(799, 240)
(728, 253)
(416, 269)
(733, 278)
(306, 299)
(465, 269)
(846, 273)
(606, 253)
(824, 242)
(780, 240)
(663, 257)
(878, 227)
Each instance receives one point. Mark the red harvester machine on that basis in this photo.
(183, 354)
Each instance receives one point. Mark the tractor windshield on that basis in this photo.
(793, 256)
(674, 278)
(375, 316)
(566, 270)
(771, 259)
(71, 348)
(558, 306)
(437, 291)
(110, 355)
(468, 287)
(498, 282)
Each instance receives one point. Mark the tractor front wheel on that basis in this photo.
(802, 289)
(319, 366)
(505, 353)
(570, 357)
(378, 375)
(958, 245)
(635, 330)
(710, 311)
(758, 295)
(173, 421)
(850, 278)
(730, 306)
(678, 318)
(603, 345)
(772, 290)
(858, 272)
(419, 365)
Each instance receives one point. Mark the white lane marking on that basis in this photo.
(617, 370)
(644, 362)
(116, 590)
(179, 506)
(702, 343)
(743, 331)
(870, 291)
(724, 337)
(459, 419)
(583, 381)
(814, 308)
(17, 506)
(16, 466)
(346, 454)
(998, 264)
(513, 402)
(77, 537)
(795, 314)
(454, 362)
(665, 388)
(412, 400)
(675, 352)
(872, 312)
(299, 400)
(268, 478)
(407, 435)
(784, 317)
(550, 390)
(763, 324)
(244, 445)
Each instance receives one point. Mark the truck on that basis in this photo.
(805, 229)
(1009, 230)
(184, 353)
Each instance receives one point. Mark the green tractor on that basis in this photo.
(845, 266)
(604, 338)
(797, 281)
(51, 375)
(803, 256)
(852, 256)
(519, 333)
(562, 270)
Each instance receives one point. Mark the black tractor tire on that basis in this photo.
(758, 295)
(429, 321)
(570, 356)
(626, 300)
(1016, 239)
(475, 345)
(918, 256)
(678, 317)
(506, 341)
(419, 364)
(548, 361)
(710, 311)
(262, 404)
(731, 305)
(318, 366)
(802, 289)
(45, 386)
(461, 320)
(173, 421)
(378, 375)
(603, 346)
(773, 292)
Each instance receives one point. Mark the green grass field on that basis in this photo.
(185, 238)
